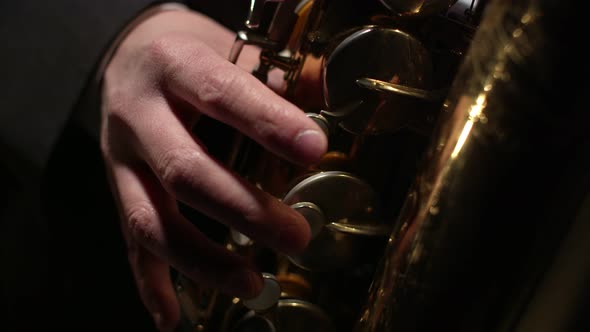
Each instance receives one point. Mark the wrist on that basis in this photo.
(138, 20)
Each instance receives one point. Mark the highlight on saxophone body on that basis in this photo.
(424, 103)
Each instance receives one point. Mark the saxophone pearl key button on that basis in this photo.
(313, 214)
(268, 297)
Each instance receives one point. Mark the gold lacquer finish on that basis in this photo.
(488, 204)
(472, 175)
(416, 8)
(374, 78)
(501, 175)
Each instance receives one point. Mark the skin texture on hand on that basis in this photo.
(168, 71)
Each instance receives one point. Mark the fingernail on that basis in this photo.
(311, 144)
(245, 283)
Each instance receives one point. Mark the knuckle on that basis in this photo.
(121, 104)
(171, 53)
(176, 168)
(250, 208)
(267, 130)
(141, 219)
(115, 100)
(272, 129)
(158, 50)
(218, 87)
(164, 58)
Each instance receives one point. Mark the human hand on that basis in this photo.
(168, 71)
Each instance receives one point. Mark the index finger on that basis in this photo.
(229, 94)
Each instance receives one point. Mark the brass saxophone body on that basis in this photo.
(408, 198)
(503, 193)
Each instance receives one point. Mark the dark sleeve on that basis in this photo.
(49, 50)
(48, 53)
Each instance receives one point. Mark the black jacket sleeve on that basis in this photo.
(48, 53)
(49, 50)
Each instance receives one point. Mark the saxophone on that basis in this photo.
(419, 100)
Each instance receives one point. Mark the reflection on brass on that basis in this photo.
(416, 8)
(381, 86)
(334, 160)
(466, 254)
(360, 229)
(294, 286)
(291, 316)
(375, 83)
